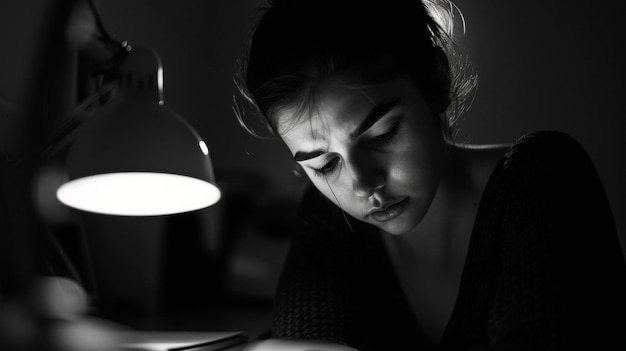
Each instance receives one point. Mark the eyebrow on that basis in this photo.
(375, 114)
(304, 155)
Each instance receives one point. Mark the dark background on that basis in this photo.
(542, 65)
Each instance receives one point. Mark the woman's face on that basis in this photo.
(376, 152)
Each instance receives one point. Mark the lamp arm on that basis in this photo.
(66, 130)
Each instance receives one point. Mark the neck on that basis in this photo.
(447, 224)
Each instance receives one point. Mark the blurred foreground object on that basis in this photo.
(59, 304)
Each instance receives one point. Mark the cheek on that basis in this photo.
(336, 191)
(326, 186)
(418, 164)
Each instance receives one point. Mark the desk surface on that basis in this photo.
(181, 340)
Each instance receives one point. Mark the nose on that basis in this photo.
(367, 176)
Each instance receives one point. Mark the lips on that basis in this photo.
(387, 213)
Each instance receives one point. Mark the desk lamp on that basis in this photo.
(135, 156)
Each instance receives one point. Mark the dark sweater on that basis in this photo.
(544, 268)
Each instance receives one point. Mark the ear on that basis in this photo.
(442, 81)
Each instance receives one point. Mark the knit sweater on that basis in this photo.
(544, 269)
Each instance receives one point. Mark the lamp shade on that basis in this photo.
(135, 156)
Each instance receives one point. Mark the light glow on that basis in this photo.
(138, 194)
(160, 84)
(204, 148)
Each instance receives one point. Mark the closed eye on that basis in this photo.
(387, 137)
(328, 168)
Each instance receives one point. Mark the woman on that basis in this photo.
(410, 240)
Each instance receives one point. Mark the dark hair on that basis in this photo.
(299, 44)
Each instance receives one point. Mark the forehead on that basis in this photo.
(337, 109)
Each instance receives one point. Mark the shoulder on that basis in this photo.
(553, 146)
(549, 162)
(546, 138)
(536, 154)
(548, 177)
(544, 161)
(544, 180)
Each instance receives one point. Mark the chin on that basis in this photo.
(402, 224)
(396, 226)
